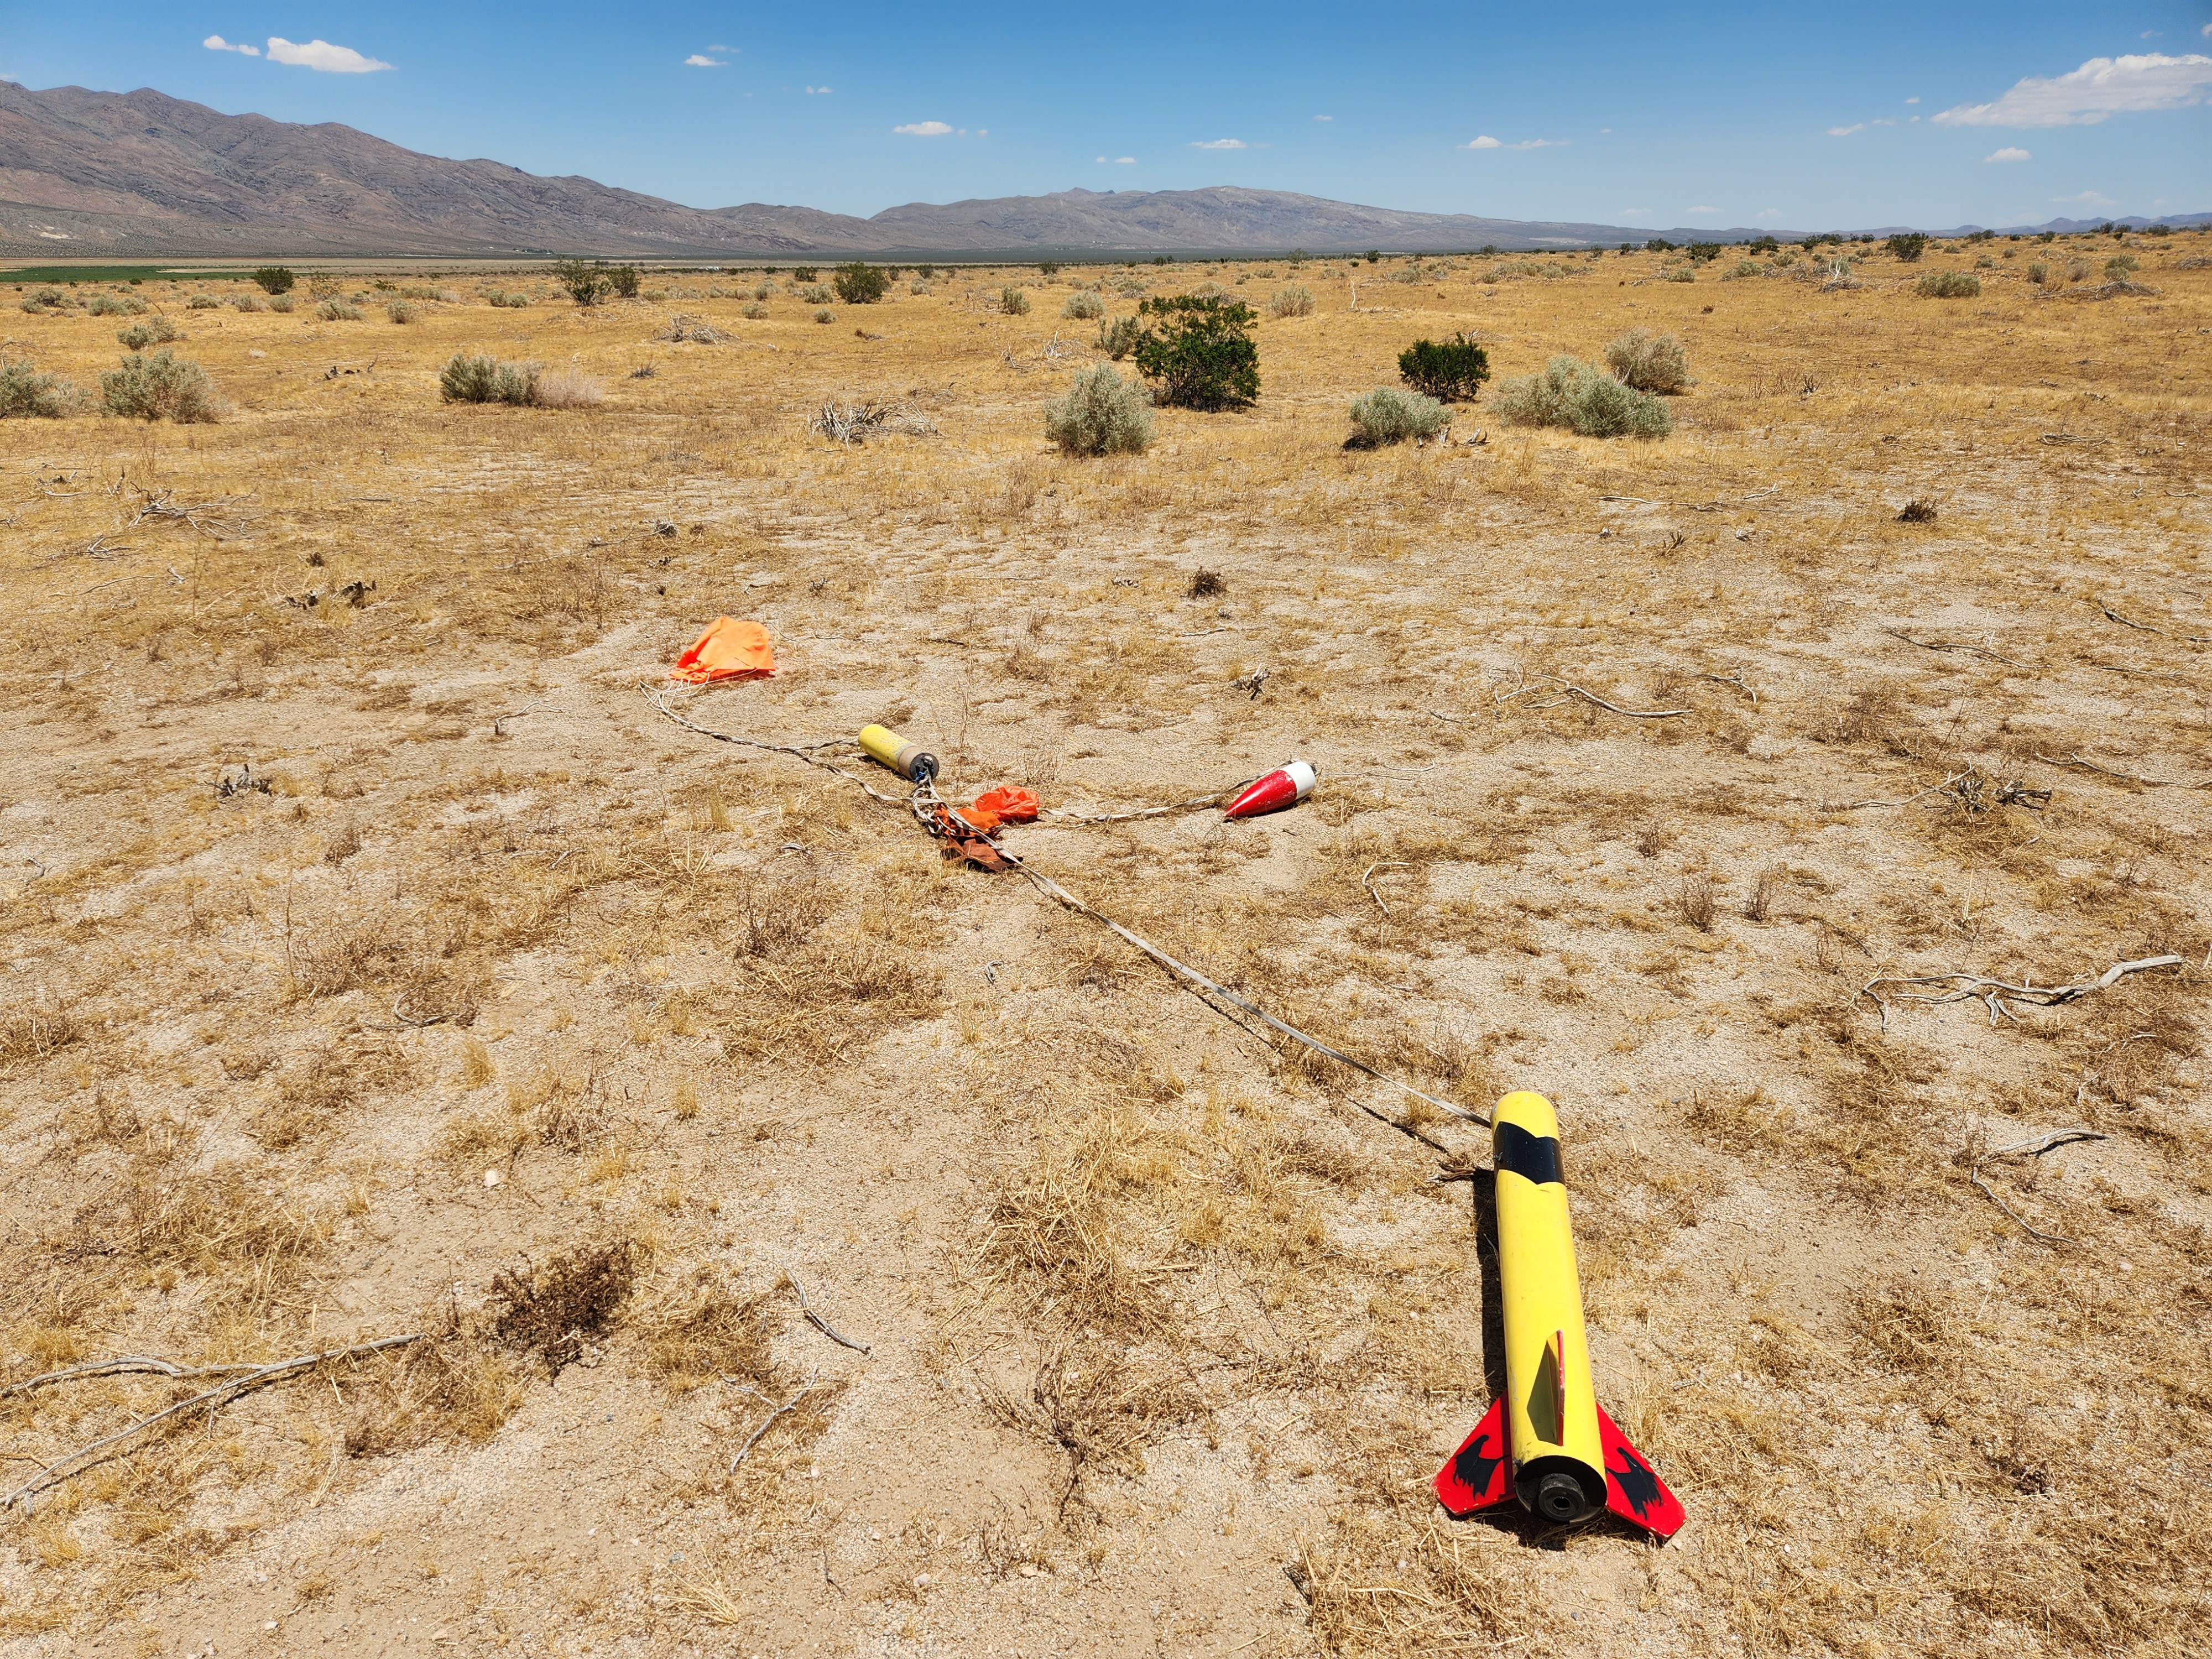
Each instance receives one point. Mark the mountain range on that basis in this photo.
(104, 176)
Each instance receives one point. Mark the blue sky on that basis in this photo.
(1790, 115)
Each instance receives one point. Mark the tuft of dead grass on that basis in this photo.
(557, 1308)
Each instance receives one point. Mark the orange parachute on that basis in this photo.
(730, 650)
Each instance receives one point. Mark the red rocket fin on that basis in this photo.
(1479, 1473)
(1633, 1490)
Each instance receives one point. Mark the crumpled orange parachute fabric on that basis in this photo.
(730, 650)
(996, 807)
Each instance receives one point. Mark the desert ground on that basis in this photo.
(383, 958)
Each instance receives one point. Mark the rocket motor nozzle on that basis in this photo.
(1560, 1498)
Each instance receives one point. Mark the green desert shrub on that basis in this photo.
(283, 303)
(1388, 416)
(404, 311)
(2121, 266)
(1907, 247)
(274, 279)
(1102, 414)
(114, 304)
(803, 273)
(2038, 272)
(1583, 398)
(337, 311)
(506, 302)
(1701, 252)
(815, 294)
(154, 331)
(1199, 353)
(858, 284)
(1680, 273)
(1013, 302)
(476, 378)
(824, 314)
(753, 309)
(1742, 269)
(250, 302)
(1452, 370)
(917, 286)
(1295, 300)
(1119, 338)
(1949, 285)
(1650, 363)
(26, 392)
(763, 290)
(1082, 304)
(203, 302)
(159, 387)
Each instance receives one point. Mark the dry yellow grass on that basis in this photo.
(505, 987)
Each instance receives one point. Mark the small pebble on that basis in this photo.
(493, 1177)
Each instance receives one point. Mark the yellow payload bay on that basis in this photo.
(1546, 1442)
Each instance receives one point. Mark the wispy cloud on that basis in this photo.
(1705, 209)
(1324, 118)
(718, 46)
(1845, 132)
(1219, 143)
(216, 43)
(1633, 213)
(1486, 142)
(924, 129)
(1881, 121)
(2100, 89)
(1768, 213)
(818, 92)
(700, 60)
(2085, 198)
(322, 55)
(2008, 154)
(1912, 101)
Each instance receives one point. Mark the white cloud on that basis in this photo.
(1219, 143)
(216, 43)
(2086, 198)
(1124, 160)
(700, 60)
(1705, 209)
(322, 55)
(2100, 89)
(1633, 213)
(718, 47)
(1768, 213)
(1324, 118)
(1881, 121)
(2008, 154)
(1484, 141)
(818, 92)
(1845, 132)
(1604, 130)
(929, 129)
(1912, 101)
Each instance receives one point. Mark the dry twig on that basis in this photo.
(818, 1322)
(2034, 1146)
(246, 1379)
(766, 1422)
(1950, 645)
(1994, 992)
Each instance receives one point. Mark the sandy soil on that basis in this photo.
(499, 1007)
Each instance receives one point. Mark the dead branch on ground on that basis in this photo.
(247, 1379)
(1952, 645)
(2146, 628)
(853, 424)
(2034, 1146)
(1994, 992)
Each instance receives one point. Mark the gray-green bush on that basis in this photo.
(404, 311)
(1102, 414)
(1013, 302)
(1119, 338)
(753, 309)
(476, 378)
(1650, 363)
(114, 305)
(284, 304)
(24, 390)
(158, 387)
(1295, 300)
(1388, 416)
(338, 311)
(203, 302)
(1948, 285)
(1583, 398)
(154, 331)
(251, 302)
(1082, 304)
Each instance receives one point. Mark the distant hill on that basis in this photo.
(98, 175)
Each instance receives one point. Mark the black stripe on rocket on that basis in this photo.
(1533, 1157)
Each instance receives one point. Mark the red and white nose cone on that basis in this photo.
(1286, 786)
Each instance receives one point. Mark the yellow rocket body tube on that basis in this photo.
(1559, 1467)
(908, 760)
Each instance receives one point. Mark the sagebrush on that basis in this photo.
(1583, 400)
(1102, 414)
(158, 387)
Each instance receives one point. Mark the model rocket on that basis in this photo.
(1546, 1443)
(908, 760)
(1286, 786)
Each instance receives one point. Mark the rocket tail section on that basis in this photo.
(1480, 1474)
(1633, 1490)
